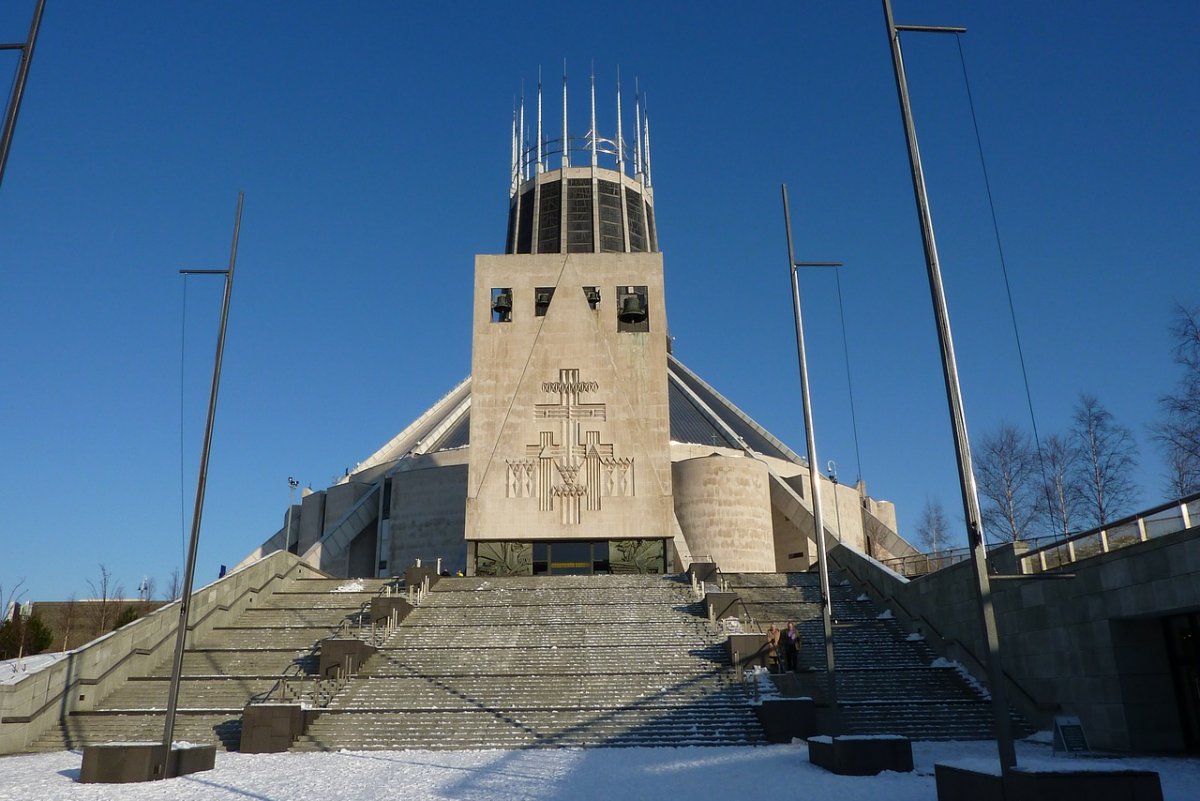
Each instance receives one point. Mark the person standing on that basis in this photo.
(774, 664)
(789, 641)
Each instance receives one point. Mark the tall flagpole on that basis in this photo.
(966, 473)
(185, 602)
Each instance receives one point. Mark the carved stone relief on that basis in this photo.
(570, 467)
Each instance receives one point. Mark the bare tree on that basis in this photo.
(70, 610)
(1107, 458)
(174, 585)
(7, 602)
(1179, 431)
(933, 527)
(1006, 471)
(105, 593)
(1060, 461)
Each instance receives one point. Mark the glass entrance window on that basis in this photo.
(570, 558)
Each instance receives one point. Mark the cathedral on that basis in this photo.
(579, 444)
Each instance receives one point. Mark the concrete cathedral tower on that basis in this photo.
(579, 443)
(570, 464)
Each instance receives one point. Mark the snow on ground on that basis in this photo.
(13, 670)
(601, 774)
(350, 586)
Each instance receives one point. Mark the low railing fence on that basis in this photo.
(1051, 552)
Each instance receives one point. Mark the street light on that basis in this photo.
(287, 541)
(814, 478)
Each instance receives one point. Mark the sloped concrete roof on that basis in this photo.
(699, 415)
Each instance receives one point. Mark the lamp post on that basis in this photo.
(958, 421)
(814, 477)
(287, 541)
(18, 89)
(185, 600)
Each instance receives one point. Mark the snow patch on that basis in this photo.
(958, 667)
(350, 586)
(863, 597)
(916, 636)
(599, 774)
(886, 614)
(13, 670)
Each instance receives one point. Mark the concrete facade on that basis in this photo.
(569, 413)
(723, 505)
(1090, 645)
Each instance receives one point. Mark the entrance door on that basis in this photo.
(1183, 646)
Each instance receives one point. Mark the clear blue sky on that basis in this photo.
(372, 141)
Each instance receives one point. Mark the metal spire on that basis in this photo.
(595, 137)
(566, 140)
(649, 180)
(620, 137)
(637, 131)
(540, 166)
(521, 145)
(514, 175)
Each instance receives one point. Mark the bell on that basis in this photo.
(542, 300)
(633, 309)
(593, 296)
(502, 304)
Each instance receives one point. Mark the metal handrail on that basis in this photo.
(1034, 560)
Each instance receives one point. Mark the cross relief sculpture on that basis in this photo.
(570, 463)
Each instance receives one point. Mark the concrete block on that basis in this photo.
(121, 763)
(861, 755)
(960, 784)
(384, 606)
(271, 728)
(345, 653)
(748, 650)
(1020, 784)
(784, 719)
(720, 605)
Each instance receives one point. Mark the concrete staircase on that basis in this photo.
(544, 662)
(222, 670)
(887, 682)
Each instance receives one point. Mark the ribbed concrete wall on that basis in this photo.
(723, 505)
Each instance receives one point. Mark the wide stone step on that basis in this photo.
(551, 614)
(261, 617)
(482, 729)
(460, 660)
(508, 692)
(222, 728)
(589, 584)
(317, 600)
(229, 662)
(929, 721)
(274, 638)
(199, 693)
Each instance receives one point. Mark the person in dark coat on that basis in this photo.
(789, 645)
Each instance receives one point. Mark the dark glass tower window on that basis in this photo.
(549, 214)
(612, 229)
(650, 229)
(637, 224)
(579, 215)
(525, 227)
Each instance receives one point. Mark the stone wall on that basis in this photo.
(86, 676)
(427, 518)
(1092, 645)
